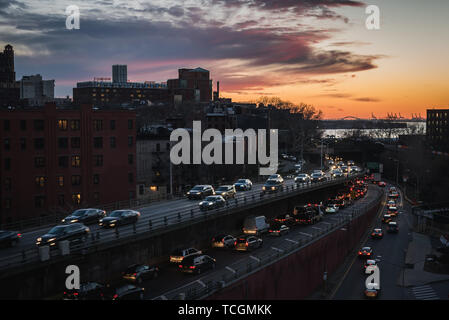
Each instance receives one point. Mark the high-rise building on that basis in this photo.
(437, 129)
(119, 73)
(36, 91)
(9, 89)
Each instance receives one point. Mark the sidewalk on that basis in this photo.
(417, 250)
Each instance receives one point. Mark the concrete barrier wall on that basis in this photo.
(300, 274)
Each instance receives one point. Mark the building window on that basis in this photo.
(39, 125)
(39, 143)
(130, 124)
(96, 179)
(23, 125)
(63, 161)
(75, 142)
(63, 143)
(76, 161)
(39, 201)
(76, 198)
(6, 125)
(61, 201)
(130, 159)
(113, 142)
(130, 141)
(7, 164)
(75, 125)
(98, 160)
(98, 125)
(23, 143)
(96, 197)
(62, 125)
(112, 123)
(98, 142)
(7, 184)
(39, 162)
(7, 144)
(130, 177)
(76, 180)
(40, 181)
(60, 181)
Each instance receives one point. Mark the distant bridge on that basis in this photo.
(350, 118)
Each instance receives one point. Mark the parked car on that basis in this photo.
(85, 216)
(255, 225)
(9, 238)
(247, 243)
(119, 217)
(223, 241)
(70, 232)
(87, 291)
(277, 229)
(179, 254)
(271, 186)
(138, 273)
(197, 264)
(377, 233)
(302, 178)
(212, 202)
(200, 192)
(243, 185)
(393, 227)
(366, 252)
(226, 192)
(125, 292)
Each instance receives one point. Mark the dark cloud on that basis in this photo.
(367, 99)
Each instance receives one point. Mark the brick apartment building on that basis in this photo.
(56, 160)
(437, 129)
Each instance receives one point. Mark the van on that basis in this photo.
(255, 225)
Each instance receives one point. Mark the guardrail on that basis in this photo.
(165, 223)
(241, 269)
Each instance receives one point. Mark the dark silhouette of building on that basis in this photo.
(437, 129)
(58, 159)
(9, 89)
(192, 85)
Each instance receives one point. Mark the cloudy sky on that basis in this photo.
(313, 51)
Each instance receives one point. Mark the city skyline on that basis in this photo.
(318, 52)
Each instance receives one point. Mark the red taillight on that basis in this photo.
(75, 294)
(19, 235)
(180, 266)
(246, 243)
(135, 274)
(235, 243)
(65, 293)
(115, 296)
(192, 267)
(360, 252)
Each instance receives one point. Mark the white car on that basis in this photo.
(333, 208)
(179, 254)
(276, 177)
(302, 178)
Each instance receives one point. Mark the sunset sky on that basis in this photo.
(313, 51)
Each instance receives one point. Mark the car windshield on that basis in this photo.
(274, 176)
(79, 213)
(271, 182)
(316, 175)
(241, 181)
(366, 249)
(301, 175)
(210, 199)
(223, 189)
(116, 213)
(241, 240)
(197, 188)
(57, 230)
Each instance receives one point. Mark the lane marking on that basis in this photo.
(293, 241)
(277, 249)
(317, 228)
(230, 269)
(255, 258)
(201, 283)
(306, 234)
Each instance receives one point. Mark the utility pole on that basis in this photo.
(321, 154)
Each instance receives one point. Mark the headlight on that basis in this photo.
(113, 221)
(273, 188)
(73, 221)
(188, 192)
(39, 239)
(51, 239)
(210, 203)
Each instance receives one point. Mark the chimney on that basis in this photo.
(218, 89)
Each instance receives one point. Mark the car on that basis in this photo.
(85, 216)
(278, 229)
(179, 254)
(124, 292)
(392, 211)
(247, 243)
(70, 232)
(337, 173)
(387, 218)
(87, 291)
(377, 233)
(393, 227)
(200, 192)
(302, 178)
(368, 265)
(331, 208)
(351, 163)
(317, 177)
(197, 264)
(391, 203)
(255, 225)
(212, 202)
(382, 184)
(243, 185)
(223, 241)
(9, 238)
(119, 217)
(365, 252)
(372, 290)
(286, 219)
(138, 273)
(271, 186)
(345, 169)
(393, 195)
(227, 191)
(307, 214)
(276, 177)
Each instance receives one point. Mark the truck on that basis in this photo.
(255, 225)
(377, 178)
(307, 214)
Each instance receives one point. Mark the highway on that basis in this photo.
(188, 209)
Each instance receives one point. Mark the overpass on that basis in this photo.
(161, 228)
